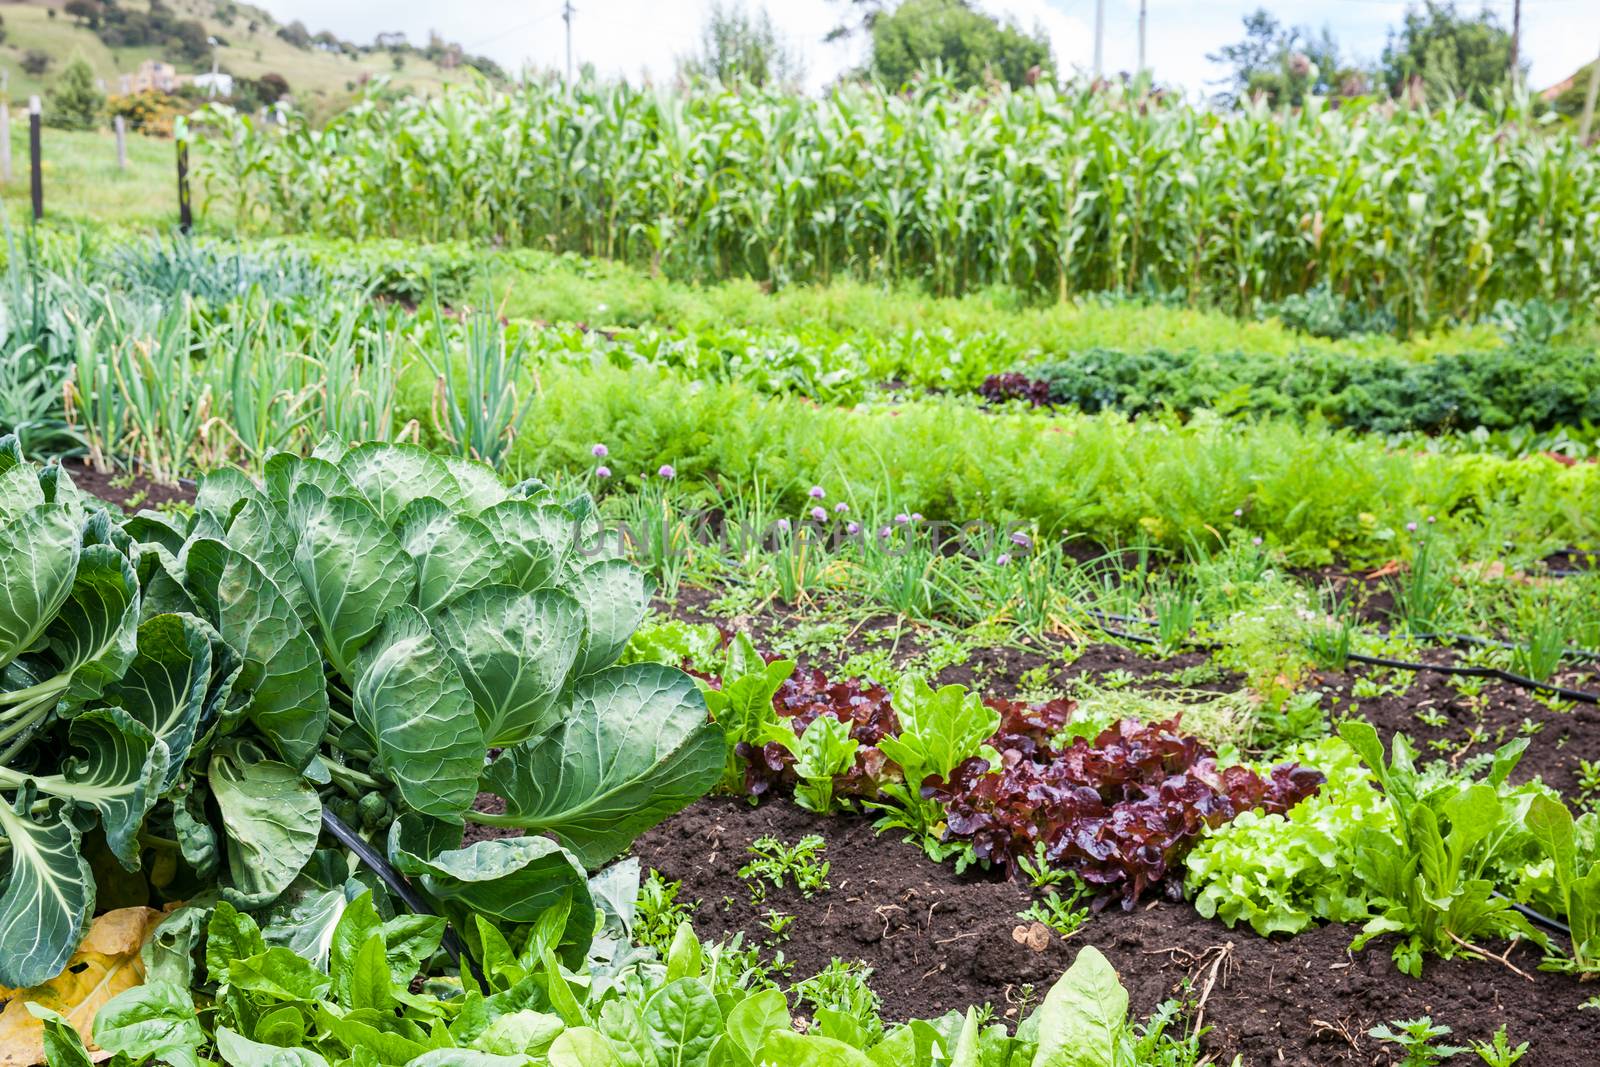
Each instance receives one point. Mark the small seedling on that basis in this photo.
(801, 863)
(1588, 782)
(1416, 1037)
(842, 987)
(778, 923)
(1118, 679)
(1061, 914)
(659, 913)
(1041, 875)
(1436, 719)
(1497, 1052)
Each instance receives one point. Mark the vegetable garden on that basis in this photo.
(668, 625)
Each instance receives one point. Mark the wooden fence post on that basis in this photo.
(35, 156)
(185, 214)
(121, 125)
(5, 141)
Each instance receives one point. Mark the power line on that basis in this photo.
(514, 28)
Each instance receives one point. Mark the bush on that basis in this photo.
(74, 102)
(150, 112)
(36, 61)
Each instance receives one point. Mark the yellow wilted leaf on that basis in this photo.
(106, 963)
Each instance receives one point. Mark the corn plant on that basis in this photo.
(1410, 215)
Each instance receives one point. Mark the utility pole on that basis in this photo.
(1516, 39)
(1099, 37)
(1143, 13)
(566, 16)
(1588, 102)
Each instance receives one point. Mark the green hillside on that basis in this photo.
(251, 48)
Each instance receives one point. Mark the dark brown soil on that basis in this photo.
(128, 491)
(939, 941)
(1557, 740)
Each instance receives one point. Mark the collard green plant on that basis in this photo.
(102, 696)
(356, 631)
(451, 616)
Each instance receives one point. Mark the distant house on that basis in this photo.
(154, 74)
(215, 83)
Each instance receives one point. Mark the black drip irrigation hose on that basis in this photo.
(1581, 654)
(401, 888)
(1580, 696)
(1555, 926)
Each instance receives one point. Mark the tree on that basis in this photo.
(970, 46)
(859, 17)
(75, 103)
(87, 12)
(296, 34)
(1451, 55)
(272, 87)
(1285, 64)
(738, 46)
(35, 61)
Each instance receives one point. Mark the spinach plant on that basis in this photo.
(1435, 890)
(1574, 851)
(938, 730)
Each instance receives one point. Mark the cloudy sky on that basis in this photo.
(632, 36)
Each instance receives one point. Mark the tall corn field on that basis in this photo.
(1430, 215)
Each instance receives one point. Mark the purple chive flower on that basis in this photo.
(1256, 541)
(817, 492)
(602, 472)
(883, 534)
(600, 451)
(1411, 527)
(820, 514)
(1003, 559)
(1021, 540)
(1238, 513)
(667, 471)
(841, 507)
(902, 518)
(852, 528)
(916, 516)
(783, 524)
(1432, 520)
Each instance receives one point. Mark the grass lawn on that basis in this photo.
(82, 180)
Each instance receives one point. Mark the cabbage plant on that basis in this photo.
(100, 704)
(361, 630)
